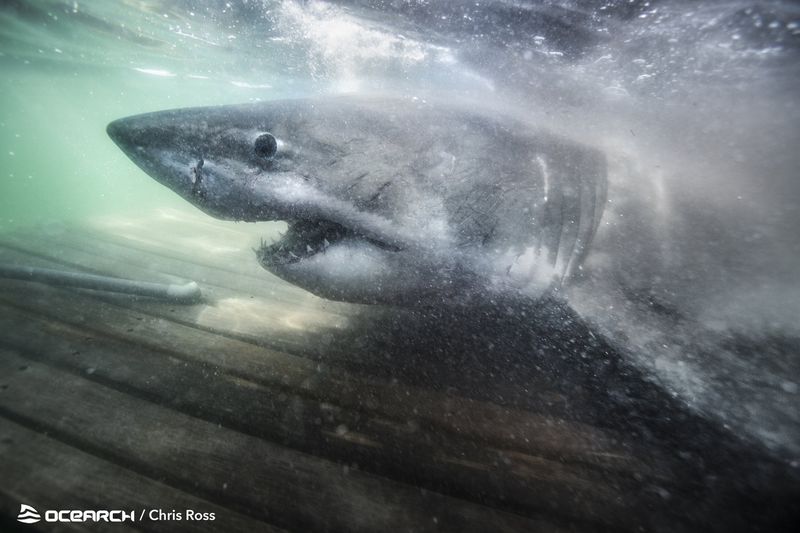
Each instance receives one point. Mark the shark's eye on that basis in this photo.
(265, 146)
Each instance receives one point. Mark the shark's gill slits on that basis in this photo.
(305, 238)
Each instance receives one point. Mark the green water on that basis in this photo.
(57, 161)
(665, 90)
(70, 68)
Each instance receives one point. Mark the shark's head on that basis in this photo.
(208, 157)
(387, 201)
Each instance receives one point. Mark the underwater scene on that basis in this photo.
(399, 265)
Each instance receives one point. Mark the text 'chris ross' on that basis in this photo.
(158, 515)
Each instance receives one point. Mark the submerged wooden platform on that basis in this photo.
(261, 406)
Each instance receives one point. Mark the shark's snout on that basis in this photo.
(118, 130)
(132, 135)
(151, 144)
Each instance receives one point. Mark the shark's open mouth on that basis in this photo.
(306, 238)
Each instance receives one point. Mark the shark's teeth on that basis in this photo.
(305, 238)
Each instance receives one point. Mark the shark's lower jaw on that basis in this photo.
(307, 238)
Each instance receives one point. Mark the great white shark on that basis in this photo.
(388, 200)
(426, 204)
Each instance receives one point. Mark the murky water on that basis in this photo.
(694, 272)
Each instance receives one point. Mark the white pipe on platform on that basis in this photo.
(186, 293)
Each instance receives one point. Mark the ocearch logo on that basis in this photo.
(28, 515)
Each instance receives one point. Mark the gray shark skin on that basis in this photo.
(415, 204)
(392, 201)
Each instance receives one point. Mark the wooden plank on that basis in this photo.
(503, 427)
(48, 474)
(212, 342)
(283, 323)
(301, 332)
(244, 473)
(618, 459)
(436, 461)
(306, 332)
(600, 453)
